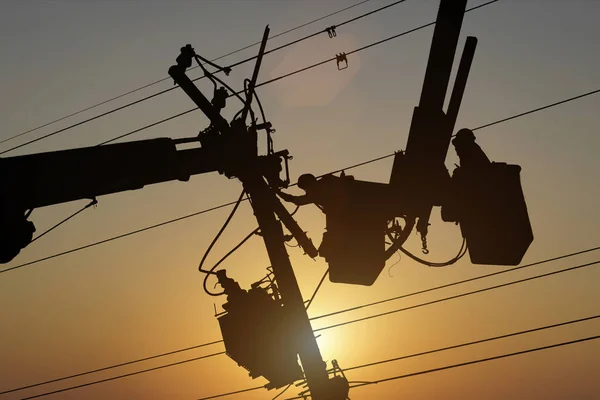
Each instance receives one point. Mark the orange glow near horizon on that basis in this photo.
(142, 295)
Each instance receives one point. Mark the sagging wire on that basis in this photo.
(214, 241)
(283, 391)
(394, 264)
(211, 271)
(461, 252)
(214, 79)
(247, 103)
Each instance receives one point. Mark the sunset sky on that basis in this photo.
(142, 295)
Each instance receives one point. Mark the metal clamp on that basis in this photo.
(331, 31)
(341, 59)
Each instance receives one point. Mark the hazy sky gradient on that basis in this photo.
(142, 295)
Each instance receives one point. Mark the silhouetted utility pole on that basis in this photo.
(263, 202)
(240, 159)
(420, 171)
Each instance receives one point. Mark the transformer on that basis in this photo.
(258, 333)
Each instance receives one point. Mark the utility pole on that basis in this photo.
(240, 159)
(263, 203)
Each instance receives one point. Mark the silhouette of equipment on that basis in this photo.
(43, 179)
(357, 213)
(256, 332)
(266, 328)
(487, 200)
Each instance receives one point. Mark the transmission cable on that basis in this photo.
(456, 283)
(314, 318)
(481, 360)
(232, 393)
(444, 299)
(123, 376)
(118, 237)
(282, 392)
(355, 51)
(167, 78)
(465, 344)
(214, 241)
(193, 80)
(316, 330)
(442, 349)
(111, 367)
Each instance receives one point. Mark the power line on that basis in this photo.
(352, 52)
(257, 86)
(193, 80)
(111, 367)
(438, 350)
(117, 237)
(332, 59)
(454, 283)
(167, 78)
(481, 360)
(316, 330)
(293, 72)
(539, 109)
(456, 296)
(489, 339)
(314, 318)
(232, 393)
(122, 376)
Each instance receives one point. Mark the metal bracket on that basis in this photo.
(331, 31)
(341, 59)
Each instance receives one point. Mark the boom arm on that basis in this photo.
(43, 179)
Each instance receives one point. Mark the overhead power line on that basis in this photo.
(476, 278)
(316, 330)
(591, 92)
(307, 68)
(216, 396)
(123, 376)
(474, 342)
(438, 350)
(313, 318)
(481, 360)
(444, 299)
(167, 78)
(257, 86)
(236, 64)
(87, 246)
(111, 367)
